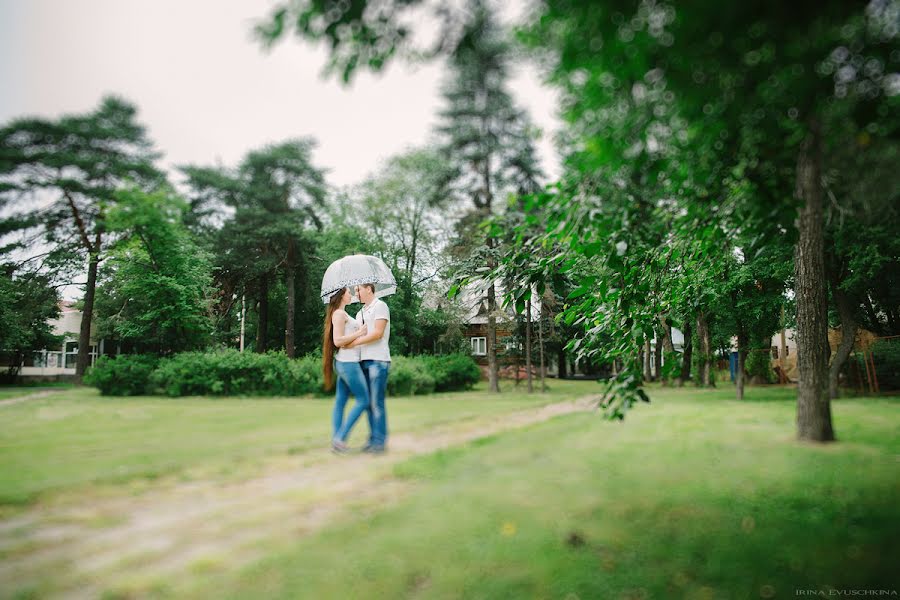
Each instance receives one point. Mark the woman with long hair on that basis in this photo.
(340, 331)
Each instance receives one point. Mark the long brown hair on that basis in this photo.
(328, 346)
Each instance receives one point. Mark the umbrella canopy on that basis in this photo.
(357, 269)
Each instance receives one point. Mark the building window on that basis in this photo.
(479, 346)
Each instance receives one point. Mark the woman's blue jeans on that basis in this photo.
(350, 380)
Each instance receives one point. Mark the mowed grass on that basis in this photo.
(78, 438)
(694, 496)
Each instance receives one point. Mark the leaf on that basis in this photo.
(578, 292)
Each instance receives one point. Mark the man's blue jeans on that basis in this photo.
(350, 379)
(376, 373)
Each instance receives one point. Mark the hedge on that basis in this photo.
(453, 372)
(122, 375)
(233, 373)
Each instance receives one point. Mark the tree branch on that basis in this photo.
(79, 222)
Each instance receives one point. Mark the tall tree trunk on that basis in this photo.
(528, 344)
(813, 404)
(262, 324)
(541, 347)
(687, 355)
(83, 359)
(648, 360)
(849, 327)
(640, 359)
(782, 355)
(704, 377)
(493, 369)
(658, 358)
(664, 346)
(518, 361)
(291, 300)
(562, 363)
(739, 375)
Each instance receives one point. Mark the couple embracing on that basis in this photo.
(355, 354)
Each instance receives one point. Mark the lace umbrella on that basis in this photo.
(356, 269)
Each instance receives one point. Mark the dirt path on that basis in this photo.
(132, 543)
(33, 396)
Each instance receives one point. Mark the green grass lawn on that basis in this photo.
(13, 392)
(79, 437)
(694, 496)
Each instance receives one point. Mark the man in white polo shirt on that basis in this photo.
(375, 360)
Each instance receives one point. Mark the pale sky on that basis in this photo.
(208, 93)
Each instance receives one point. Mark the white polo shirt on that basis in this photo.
(377, 350)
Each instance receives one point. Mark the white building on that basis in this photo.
(55, 362)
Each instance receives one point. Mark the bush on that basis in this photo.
(307, 374)
(409, 376)
(453, 372)
(123, 375)
(759, 365)
(233, 373)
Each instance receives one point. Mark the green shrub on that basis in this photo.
(409, 376)
(307, 374)
(123, 375)
(758, 364)
(233, 373)
(453, 372)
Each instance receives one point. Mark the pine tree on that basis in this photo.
(72, 167)
(486, 139)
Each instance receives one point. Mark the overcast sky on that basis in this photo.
(208, 93)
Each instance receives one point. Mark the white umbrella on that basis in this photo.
(357, 269)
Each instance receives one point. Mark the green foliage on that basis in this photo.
(357, 37)
(402, 211)
(158, 282)
(862, 246)
(234, 373)
(270, 204)
(487, 139)
(886, 355)
(27, 303)
(759, 365)
(409, 377)
(80, 161)
(686, 126)
(622, 392)
(123, 375)
(452, 372)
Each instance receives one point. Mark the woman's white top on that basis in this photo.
(349, 354)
